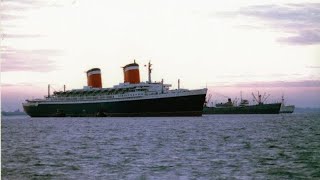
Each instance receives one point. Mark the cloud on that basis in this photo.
(16, 85)
(22, 5)
(303, 37)
(13, 11)
(258, 75)
(307, 13)
(303, 83)
(8, 17)
(19, 6)
(24, 2)
(39, 60)
(313, 67)
(300, 21)
(6, 36)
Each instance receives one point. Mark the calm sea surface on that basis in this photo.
(208, 147)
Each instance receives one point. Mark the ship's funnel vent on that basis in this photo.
(131, 73)
(94, 78)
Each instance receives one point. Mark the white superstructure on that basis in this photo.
(121, 92)
(286, 108)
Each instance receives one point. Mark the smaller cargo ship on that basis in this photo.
(286, 108)
(231, 107)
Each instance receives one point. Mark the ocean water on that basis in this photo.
(209, 147)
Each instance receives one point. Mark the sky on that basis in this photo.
(270, 46)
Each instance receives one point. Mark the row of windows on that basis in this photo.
(93, 97)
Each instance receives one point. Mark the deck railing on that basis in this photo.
(122, 96)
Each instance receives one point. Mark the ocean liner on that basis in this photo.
(130, 98)
(231, 107)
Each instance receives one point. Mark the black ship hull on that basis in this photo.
(253, 109)
(191, 105)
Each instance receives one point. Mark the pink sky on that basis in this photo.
(227, 46)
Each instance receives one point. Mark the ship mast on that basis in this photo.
(149, 72)
(48, 90)
(162, 86)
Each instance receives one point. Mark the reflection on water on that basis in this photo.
(216, 146)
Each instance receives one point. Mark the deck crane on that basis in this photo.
(261, 99)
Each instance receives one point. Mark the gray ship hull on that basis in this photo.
(253, 109)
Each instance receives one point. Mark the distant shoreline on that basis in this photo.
(300, 110)
(13, 113)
